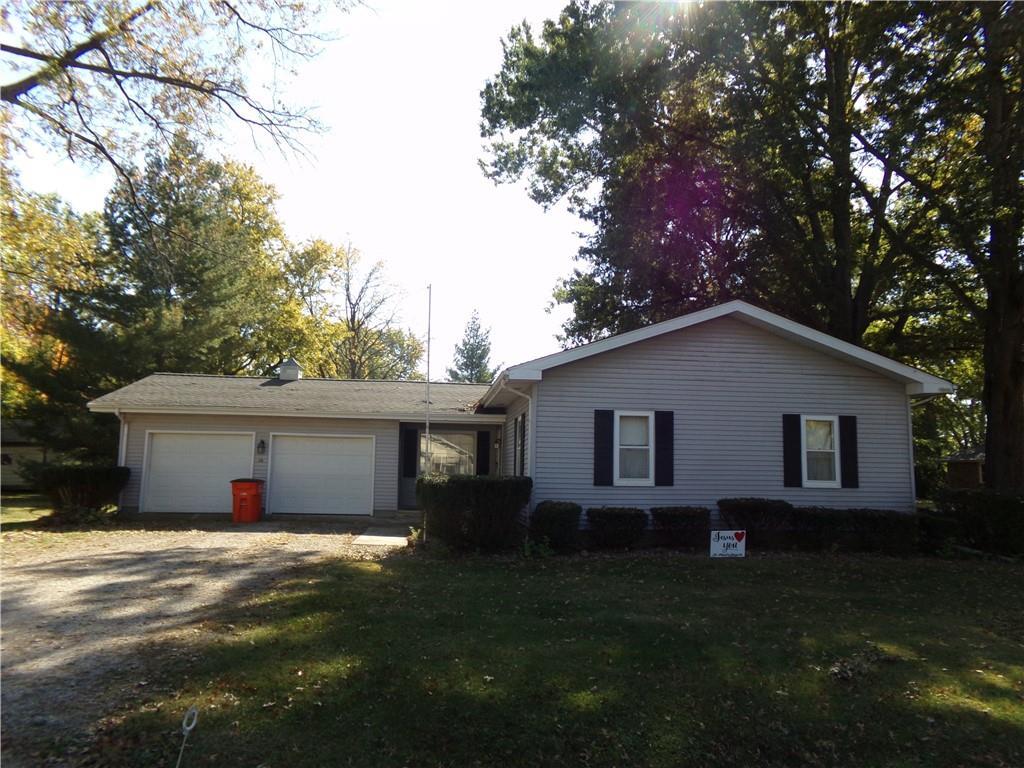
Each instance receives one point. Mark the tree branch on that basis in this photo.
(11, 93)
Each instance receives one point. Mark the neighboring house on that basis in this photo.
(728, 401)
(16, 448)
(966, 469)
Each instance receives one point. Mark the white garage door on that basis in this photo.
(193, 472)
(321, 475)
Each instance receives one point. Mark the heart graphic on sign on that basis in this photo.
(739, 535)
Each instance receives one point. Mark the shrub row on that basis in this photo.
(616, 527)
(777, 524)
(557, 524)
(772, 523)
(481, 513)
(687, 527)
(79, 492)
(992, 521)
(472, 512)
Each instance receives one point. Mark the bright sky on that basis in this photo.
(396, 174)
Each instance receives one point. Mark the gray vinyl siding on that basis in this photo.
(728, 383)
(518, 407)
(385, 482)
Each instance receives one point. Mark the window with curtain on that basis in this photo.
(821, 457)
(634, 448)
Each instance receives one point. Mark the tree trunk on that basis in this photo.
(1003, 394)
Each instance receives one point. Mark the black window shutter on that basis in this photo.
(664, 447)
(410, 451)
(604, 445)
(792, 461)
(848, 452)
(483, 452)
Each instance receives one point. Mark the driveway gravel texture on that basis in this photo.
(78, 607)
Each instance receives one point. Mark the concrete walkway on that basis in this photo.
(380, 537)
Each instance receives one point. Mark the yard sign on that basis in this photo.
(728, 543)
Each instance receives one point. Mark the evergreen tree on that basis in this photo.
(473, 355)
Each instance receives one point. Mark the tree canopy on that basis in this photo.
(101, 80)
(817, 159)
(186, 270)
(473, 355)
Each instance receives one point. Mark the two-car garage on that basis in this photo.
(190, 472)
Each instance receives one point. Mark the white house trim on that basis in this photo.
(917, 382)
(632, 481)
(143, 483)
(270, 460)
(836, 461)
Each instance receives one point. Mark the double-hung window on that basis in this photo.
(820, 451)
(634, 448)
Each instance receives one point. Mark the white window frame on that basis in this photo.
(837, 483)
(635, 481)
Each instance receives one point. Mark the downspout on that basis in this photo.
(910, 449)
(122, 451)
(531, 422)
(122, 440)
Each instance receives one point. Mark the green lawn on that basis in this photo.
(21, 510)
(657, 659)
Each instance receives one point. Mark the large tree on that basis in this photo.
(185, 277)
(101, 79)
(371, 345)
(769, 151)
(473, 354)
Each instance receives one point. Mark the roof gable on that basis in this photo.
(916, 381)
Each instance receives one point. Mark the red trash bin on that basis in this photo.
(246, 500)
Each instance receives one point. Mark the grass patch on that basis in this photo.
(654, 659)
(23, 510)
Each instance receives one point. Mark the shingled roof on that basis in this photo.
(193, 393)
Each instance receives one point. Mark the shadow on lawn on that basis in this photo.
(632, 660)
(66, 644)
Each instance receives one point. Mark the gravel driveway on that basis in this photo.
(77, 606)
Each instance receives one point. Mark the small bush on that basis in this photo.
(616, 527)
(557, 523)
(682, 526)
(856, 530)
(756, 514)
(470, 511)
(80, 493)
(937, 533)
(992, 521)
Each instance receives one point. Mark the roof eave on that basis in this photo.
(438, 416)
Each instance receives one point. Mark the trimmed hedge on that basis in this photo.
(616, 527)
(936, 533)
(992, 521)
(856, 530)
(557, 523)
(470, 512)
(682, 526)
(756, 514)
(78, 492)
